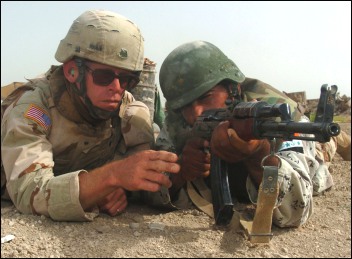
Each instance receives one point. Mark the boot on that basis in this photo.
(344, 146)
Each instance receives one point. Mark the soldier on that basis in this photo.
(74, 143)
(197, 76)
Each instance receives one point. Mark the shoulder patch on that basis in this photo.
(38, 115)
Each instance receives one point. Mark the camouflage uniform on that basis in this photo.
(46, 143)
(301, 175)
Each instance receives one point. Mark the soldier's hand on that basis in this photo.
(226, 144)
(113, 203)
(195, 160)
(145, 170)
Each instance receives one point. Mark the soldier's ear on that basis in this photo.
(71, 71)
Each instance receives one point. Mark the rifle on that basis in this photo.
(259, 120)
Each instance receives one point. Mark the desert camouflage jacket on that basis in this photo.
(46, 143)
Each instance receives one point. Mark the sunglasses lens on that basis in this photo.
(103, 77)
(128, 82)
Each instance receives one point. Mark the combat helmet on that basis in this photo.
(192, 69)
(104, 37)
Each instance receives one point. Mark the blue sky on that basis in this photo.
(294, 46)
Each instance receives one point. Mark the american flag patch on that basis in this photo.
(39, 116)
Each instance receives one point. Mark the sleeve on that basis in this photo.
(301, 176)
(136, 126)
(254, 89)
(28, 163)
(295, 200)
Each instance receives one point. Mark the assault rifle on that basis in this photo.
(259, 120)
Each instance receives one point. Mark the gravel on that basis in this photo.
(145, 232)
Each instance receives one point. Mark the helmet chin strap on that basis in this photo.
(95, 112)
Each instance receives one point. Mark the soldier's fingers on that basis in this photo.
(163, 166)
(198, 143)
(153, 183)
(195, 155)
(162, 155)
(196, 165)
(112, 201)
(206, 173)
(118, 207)
(159, 179)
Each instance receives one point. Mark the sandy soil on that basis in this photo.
(144, 232)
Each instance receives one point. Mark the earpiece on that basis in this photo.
(71, 71)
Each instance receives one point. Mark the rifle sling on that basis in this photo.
(202, 188)
(202, 200)
(268, 192)
(258, 230)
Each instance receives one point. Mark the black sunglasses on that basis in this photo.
(104, 77)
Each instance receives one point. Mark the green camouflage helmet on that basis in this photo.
(192, 69)
(104, 37)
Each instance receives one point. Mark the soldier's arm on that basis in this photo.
(28, 161)
(27, 158)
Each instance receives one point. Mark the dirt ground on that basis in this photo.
(144, 232)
